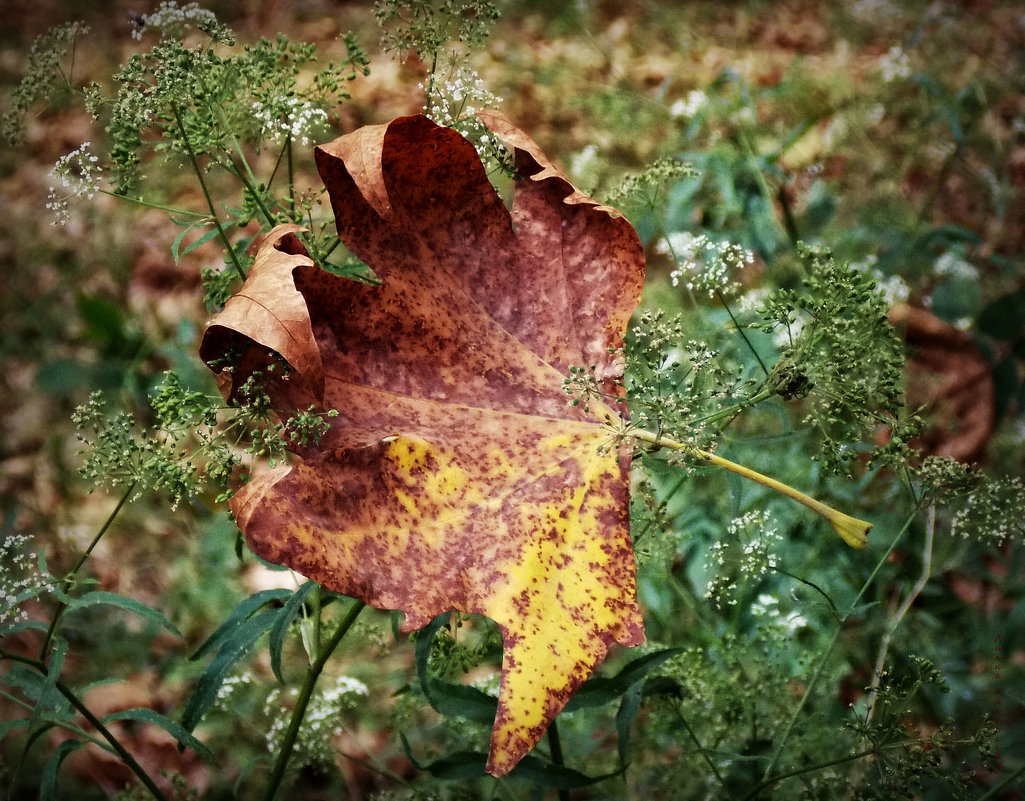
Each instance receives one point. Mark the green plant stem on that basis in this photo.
(740, 330)
(69, 579)
(140, 772)
(902, 610)
(701, 749)
(138, 201)
(555, 743)
(824, 659)
(305, 694)
(291, 179)
(209, 200)
(852, 530)
(771, 780)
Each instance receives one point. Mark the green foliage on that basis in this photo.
(779, 664)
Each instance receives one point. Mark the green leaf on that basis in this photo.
(602, 690)
(459, 700)
(1004, 318)
(121, 602)
(48, 690)
(281, 625)
(179, 733)
(555, 777)
(625, 717)
(422, 652)
(237, 617)
(48, 778)
(231, 648)
(460, 765)
(176, 251)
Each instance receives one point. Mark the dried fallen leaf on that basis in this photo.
(950, 379)
(457, 475)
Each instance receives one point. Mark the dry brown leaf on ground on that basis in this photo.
(457, 475)
(951, 380)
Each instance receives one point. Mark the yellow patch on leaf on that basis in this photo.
(457, 476)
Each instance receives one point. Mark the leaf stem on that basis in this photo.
(852, 530)
(149, 205)
(305, 694)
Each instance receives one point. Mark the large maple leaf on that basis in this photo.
(457, 475)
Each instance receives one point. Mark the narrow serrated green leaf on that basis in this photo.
(231, 648)
(280, 628)
(554, 777)
(422, 652)
(629, 706)
(48, 778)
(459, 700)
(237, 617)
(98, 597)
(460, 765)
(604, 690)
(200, 242)
(173, 728)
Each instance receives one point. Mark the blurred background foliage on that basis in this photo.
(891, 132)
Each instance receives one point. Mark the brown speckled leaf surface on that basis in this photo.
(457, 475)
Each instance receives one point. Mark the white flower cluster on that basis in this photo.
(993, 512)
(895, 64)
(230, 686)
(768, 607)
(745, 554)
(291, 117)
(78, 176)
(463, 96)
(688, 107)
(19, 578)
(323, 719)
(953, 265)
(703, 265)
(173, 20)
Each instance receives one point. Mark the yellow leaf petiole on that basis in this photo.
(852, 530)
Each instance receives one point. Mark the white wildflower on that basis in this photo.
(703, 265)
(291, 117)
(895, 64)
(172, 20)
(20, 578)
(953, 265)
(77, 175)
(688, 108)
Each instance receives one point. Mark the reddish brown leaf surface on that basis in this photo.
(457, 475)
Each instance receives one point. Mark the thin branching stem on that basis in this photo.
(771, 780)
(824, 658)
(305, 694)
(69, 579)
(902, 610)
(236, 263)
